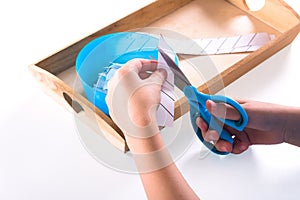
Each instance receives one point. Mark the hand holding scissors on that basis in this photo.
(197, 102)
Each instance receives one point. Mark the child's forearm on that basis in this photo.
(160, 176)
(292, 126)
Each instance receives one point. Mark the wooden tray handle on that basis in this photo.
(79, 106)
(266, 14)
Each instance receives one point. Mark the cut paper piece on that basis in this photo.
(223, 45)
(105, 76)
(214, 45)
(165, 111)
(227, 45)
(243, 41)
(260, 39)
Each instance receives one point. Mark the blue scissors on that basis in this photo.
(197, 102)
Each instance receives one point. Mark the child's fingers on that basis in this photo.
(240, 146)
(137, 66)
(141, 65)
(223, 146)
(208, 134)
(222, 110)
(144, 75)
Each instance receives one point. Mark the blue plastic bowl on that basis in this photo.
(112, 48)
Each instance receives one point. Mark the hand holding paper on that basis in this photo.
(133, 97)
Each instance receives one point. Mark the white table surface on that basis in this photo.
(41, 155)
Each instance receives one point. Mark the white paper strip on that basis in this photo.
(224, 45)
(165, 111)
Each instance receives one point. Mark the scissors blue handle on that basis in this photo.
(197, 101)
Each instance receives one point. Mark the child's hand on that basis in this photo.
(266, 125)
(134, 96)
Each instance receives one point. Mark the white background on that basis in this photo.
(41, 156)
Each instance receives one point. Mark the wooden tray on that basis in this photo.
(193, 18)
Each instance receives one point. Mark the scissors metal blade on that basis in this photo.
(180, 79)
